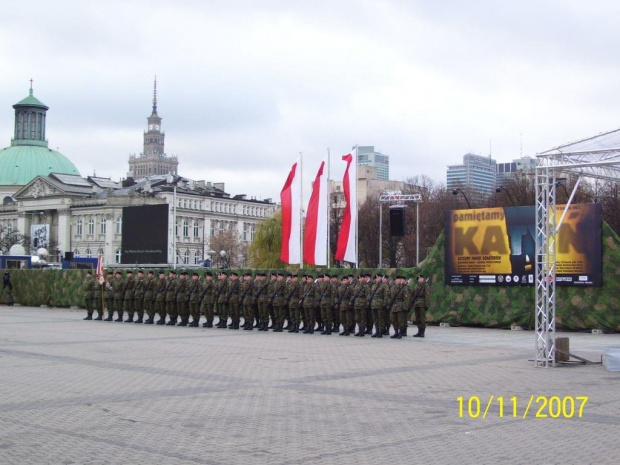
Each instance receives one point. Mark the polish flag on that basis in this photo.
(100, 276)
(291, 235)
(315, 233)
(347, 238)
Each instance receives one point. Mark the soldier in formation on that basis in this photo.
(348, 303)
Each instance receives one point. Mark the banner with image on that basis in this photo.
(39, 236)
(496, 246)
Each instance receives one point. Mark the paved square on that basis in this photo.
(93, 392)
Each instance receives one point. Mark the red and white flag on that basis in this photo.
(347, 237)
(315, 233)
(100, 276)
(291, 234)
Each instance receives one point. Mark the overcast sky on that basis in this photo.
(244, 86)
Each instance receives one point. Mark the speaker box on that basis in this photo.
(68, 256)
(397, 220)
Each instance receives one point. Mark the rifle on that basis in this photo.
(235, 285)
(344, 291)
(402, 288)
(275, 294)
(373, 294)
(251, 285)
(303, 297)
(354, 298)
(412, 300)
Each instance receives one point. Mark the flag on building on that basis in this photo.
(347, 237)
(290, 200)
(315, 232)
(100, 276)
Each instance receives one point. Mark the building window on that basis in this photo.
(117, 255)
(185, 228)
(119, 225)
(89, 253)
(196, 229)
(91, 226)
(9, 228)
(78, 228)
(102, 226)
(213, 227)
(196, 258)
(186, 257)
(76, 252)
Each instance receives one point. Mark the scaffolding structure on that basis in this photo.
(594, 157)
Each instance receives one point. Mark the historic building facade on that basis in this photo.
(66, 212)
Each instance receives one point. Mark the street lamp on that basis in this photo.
(561, 183)
(502, 188)
(223, 256)
(456, 192)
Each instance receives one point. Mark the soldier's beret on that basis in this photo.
(129, 271)
(208, 273)
(326, 275)
(224, 273)
(162, 271)
(419, 276)
(172, 271)
(344, 277)
(280, 274)
(234, 273)
(117, 272)
(141, 271)
(151, 272)
(89, 272)
(195, 274)
(183, 273)
(110, 273)
(247, 274)
(400, 276)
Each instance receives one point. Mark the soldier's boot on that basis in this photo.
(369, 329)
(109, 318)
(161, 321)
(89, 315)
(352, 328)
(396, 335)
(129, 318)
(265, 326)
(120, 317)
(379, 332)
(139, 320)
(286, 326)
(386, 331)
(324, 331)
(183, 322)
(311, 329)
(280, 327)
(258, 323)
(306, 330)
(328, 331)
(360, 332)
(344, 330)
(248, 327)
(99, 316)
(303, 326)
(295, 328)
(206, 324)
(420, 332)
(321, 327)
(172, 322)
(150, 320)
(336, 327)
(403, 331)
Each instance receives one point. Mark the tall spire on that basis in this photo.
(155, 95)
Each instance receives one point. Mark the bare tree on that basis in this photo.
(10, 238)
(228, 241)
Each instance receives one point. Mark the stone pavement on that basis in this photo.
(92, 392)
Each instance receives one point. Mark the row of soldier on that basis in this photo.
(281, 302)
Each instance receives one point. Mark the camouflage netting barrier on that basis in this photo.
(577, 308)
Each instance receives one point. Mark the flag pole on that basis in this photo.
(301, 211)
(328, 183)
(357, 264)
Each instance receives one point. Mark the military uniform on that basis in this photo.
(262, 299)
(343, 305)
(233, 299)
(421, 303)
(119, 292)
(109, 295)
(308, 303)
(325, 304)
(195, 295)
(359, 300)
(150, 290)
(270, 287)
(293, 294)
(128, 297)
(399, 299)
(171, 298)
(207, 297)
(182, 297)
(379, 295)
(278, 301)
(222, 306)
(335, 311)
(247, 301)
(138, 296)
(160, 298)
(88, 291)
(97, 300)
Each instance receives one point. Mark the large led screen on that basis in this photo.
(145, 234)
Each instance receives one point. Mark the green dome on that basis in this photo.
(20, 164)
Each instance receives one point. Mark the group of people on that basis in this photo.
(280, 301)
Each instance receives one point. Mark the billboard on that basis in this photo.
(496, 246)
(39, 236)
(145, 234)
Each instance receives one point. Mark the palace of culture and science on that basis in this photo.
(45, 197)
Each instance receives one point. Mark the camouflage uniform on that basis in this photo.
(182, 297)
(138, 297)
(233, 298)
(109, 296)
(262, 299)
(359, 300)
(221, 288)
(325, 304)
(421, 303)
(278, 302)
(308, 302)
(171, 296)
(97, 300)
(208, 294)
(344, 307)
(128, 297)
(119, 292)
(160, 298)
(88, 290)
(150, 289)
(379, 294)
(293, 294)
(195, 294)
(247, 300)
(399, 298)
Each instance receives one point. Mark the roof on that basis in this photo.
(20, 164)
(31, 101)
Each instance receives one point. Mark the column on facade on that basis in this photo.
(64, 230)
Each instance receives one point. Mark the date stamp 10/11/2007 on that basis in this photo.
(513, 407)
